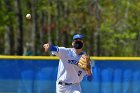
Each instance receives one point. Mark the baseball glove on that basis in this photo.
(84, 62)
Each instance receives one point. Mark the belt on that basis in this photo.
(63, 83)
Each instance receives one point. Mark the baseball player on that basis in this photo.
(70, 70)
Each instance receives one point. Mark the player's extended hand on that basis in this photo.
(46, 47)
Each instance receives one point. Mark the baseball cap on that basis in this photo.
(78, 36)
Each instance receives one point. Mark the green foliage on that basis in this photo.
(116, 22)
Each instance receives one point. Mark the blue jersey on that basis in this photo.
(68, 70)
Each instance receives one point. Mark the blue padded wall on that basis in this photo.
(39, 76)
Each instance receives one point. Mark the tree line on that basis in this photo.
(110, 27)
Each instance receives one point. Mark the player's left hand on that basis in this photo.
(84, 62)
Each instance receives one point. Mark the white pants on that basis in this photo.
(74, 88)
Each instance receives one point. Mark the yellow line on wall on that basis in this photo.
(115, 58)
(56, 58)
(30, 57)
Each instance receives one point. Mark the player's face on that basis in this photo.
(77, 44)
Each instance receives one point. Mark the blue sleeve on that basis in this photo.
(59, 51)
(53, 48)
(89, 78)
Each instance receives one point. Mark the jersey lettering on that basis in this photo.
(72, 62)
(79, 73)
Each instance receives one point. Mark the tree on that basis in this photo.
(19, 42)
